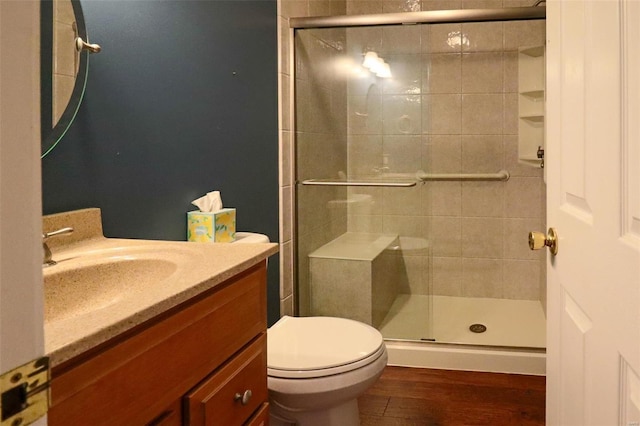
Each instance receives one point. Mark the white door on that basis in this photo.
(21, 294)
(593, 184)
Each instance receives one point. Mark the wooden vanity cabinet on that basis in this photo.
(191, 365)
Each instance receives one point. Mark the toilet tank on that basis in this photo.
(251, 237)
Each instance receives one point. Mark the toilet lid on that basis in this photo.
(318, 343)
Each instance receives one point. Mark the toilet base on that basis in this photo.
(346, 414)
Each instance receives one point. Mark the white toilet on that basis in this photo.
(317, 367)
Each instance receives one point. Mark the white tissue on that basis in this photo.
(209, 203)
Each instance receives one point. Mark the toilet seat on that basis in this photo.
(297, 347)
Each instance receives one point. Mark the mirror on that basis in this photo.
(63, 69)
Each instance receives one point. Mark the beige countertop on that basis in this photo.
(85, 312)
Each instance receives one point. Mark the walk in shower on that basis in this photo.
(418, 158)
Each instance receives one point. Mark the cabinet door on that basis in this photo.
(234, 392)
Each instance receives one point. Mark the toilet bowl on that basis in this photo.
(317, 367)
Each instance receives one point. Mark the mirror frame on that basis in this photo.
(51, 138)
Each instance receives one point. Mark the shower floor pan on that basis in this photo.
(513, 342)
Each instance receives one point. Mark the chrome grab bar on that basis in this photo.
(502, 175)
(325, 182)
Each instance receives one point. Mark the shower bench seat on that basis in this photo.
(355, 276)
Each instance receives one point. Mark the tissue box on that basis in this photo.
(213, 227)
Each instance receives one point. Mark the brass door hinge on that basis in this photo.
(25, 393)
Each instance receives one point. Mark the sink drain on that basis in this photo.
(478, 328)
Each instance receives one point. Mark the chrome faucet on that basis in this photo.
(47, 261)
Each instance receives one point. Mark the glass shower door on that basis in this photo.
(363, 216)
(418, 175)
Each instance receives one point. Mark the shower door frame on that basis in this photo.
(388, 19)
(426, 17)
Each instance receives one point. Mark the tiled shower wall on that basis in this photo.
(452, 108)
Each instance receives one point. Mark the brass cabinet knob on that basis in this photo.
(538, 240)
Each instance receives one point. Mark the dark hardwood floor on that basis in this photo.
(416, 396)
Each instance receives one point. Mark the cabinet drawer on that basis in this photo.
(172, 416)
(134, 378)
(261, 417)
(218, 400)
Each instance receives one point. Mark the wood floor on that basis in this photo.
(415, 396)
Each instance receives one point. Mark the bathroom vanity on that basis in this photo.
(193, 350)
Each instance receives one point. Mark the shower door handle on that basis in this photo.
(538, 240)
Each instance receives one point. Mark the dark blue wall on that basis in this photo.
(182, 100)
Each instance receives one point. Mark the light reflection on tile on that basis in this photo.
(406, 75)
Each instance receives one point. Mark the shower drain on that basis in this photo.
(478, 328)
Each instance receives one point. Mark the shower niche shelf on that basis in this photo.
(531, 80)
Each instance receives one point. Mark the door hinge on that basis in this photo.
(25, 393)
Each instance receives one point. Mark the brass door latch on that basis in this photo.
(538, 240)
(25, 393)
(540, 155)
